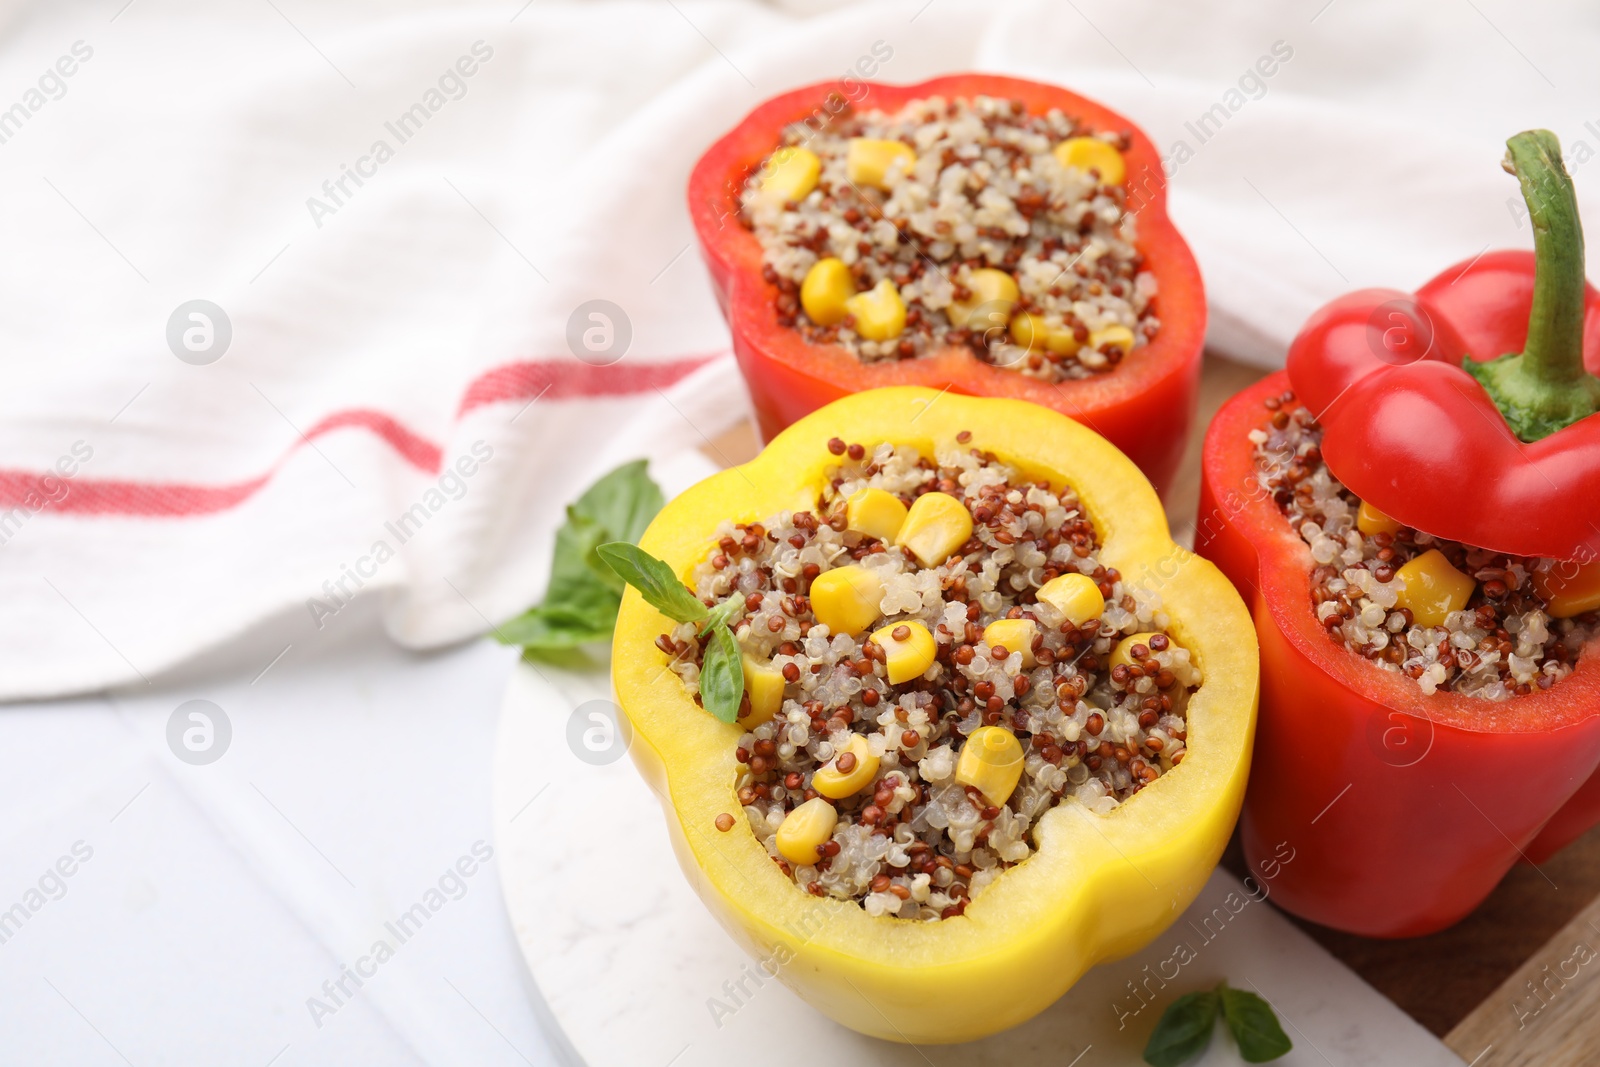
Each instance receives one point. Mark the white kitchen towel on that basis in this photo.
(288, 287)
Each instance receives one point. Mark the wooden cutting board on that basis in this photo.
(1545, 1012)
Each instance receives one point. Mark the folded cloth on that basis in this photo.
(314, 302)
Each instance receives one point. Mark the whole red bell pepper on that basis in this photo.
(1144, 406)
(1405, 809)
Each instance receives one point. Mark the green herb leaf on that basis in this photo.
(655, 581)
(575, 587)
(578, 608)
(622, 503)
(722, 675)
(1254, 1025)
(580, 602)
(541, 629)
(723, 613)
(1184, 1030)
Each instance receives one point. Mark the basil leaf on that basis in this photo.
(578, 607)
(1254, 1025)
(623, 502)
(1184, 1030)
(722, 675)
(655, 581)
(543, 629)
(580, 602)
(723, 613)
(576, 587)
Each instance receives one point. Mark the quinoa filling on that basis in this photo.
(867, 744)
(1004, 233)
(1494, 639)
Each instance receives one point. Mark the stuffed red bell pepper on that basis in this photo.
(975, 233)
(1413, 510)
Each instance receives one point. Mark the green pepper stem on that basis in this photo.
(1545, 388)
(1554, 350)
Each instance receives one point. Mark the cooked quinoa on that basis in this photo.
(984, 192)
(1501, 644)
(914, 842)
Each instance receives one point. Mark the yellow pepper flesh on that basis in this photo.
(1099, 886)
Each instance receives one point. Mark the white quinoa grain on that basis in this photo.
(1498, 647)
(985, 192)
(914, 843)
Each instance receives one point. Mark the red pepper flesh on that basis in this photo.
(1403, 809)
(1420, 438)
(1144, 406)
(1471, 410)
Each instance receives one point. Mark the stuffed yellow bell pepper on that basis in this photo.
(940, 715)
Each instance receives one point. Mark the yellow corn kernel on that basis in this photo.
(1370, 521)
(880, 313)
(790, 173)
(1091, 153)
(994, 293)
(991, 760)
(936, 526)
(875, 513)
(1014, 635)
(846, 599)
(1115, 336)
(804, 830)
(1433, 588)
(1032, 332)
(868, 162)
(1074, 595)
(827, 288)
(1123, 653)
(905, 658)
(764, 683)
(1569, 588)
(831, 782)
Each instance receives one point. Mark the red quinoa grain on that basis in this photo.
(986, 192)
(912, 843)
(1500, 645)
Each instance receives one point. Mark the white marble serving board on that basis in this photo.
(629, 969)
